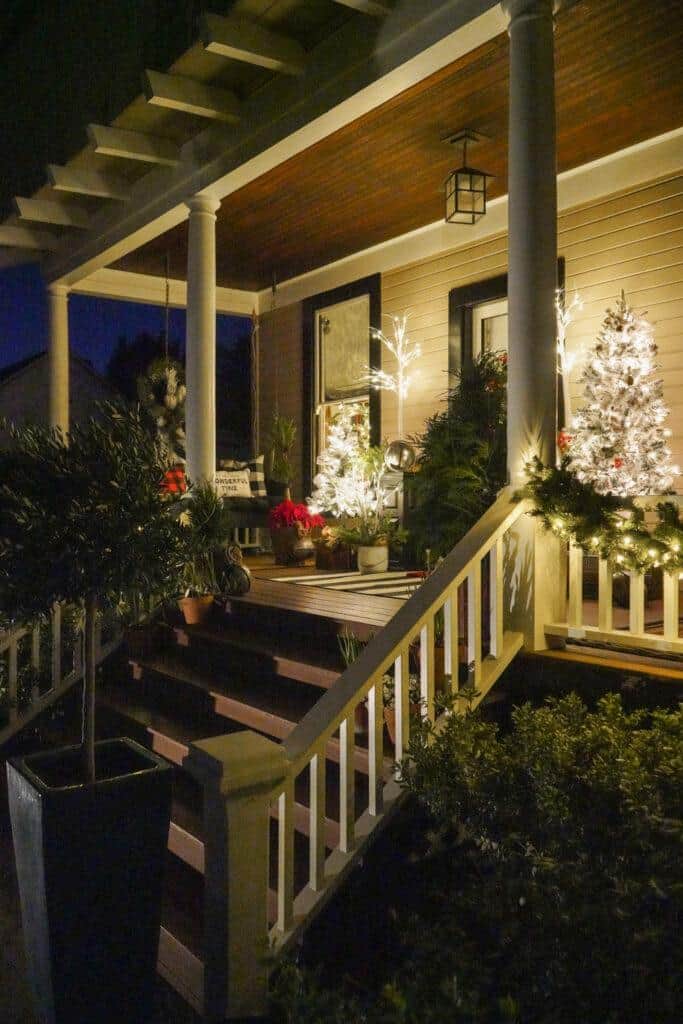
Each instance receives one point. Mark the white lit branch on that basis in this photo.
(405, 353)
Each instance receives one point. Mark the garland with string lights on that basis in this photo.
(604, 524)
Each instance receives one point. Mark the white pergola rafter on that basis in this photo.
(45, 211)
(177, 93)
(80, 181)
(150, 149)
(375, 7)
(18, 237)
(251, 43)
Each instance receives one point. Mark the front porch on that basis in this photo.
(314, 201)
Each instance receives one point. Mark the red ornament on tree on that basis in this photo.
(618, 463)
(563, 440)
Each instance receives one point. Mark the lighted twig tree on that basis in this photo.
(619, 443)
(405, 353)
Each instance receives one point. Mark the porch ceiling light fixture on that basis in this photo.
(465, 186)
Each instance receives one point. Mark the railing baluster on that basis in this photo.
(450, 638)
(317, 823)
(636, 604)
(375, 749)
(605, 596)
(347, 802)
(402, 702)
(474, 624)
(496, 598)
(56, 619)
(671, 584)
(427, 669)
(575, 608)
(12, 677)
(285, 847)
(35, 660)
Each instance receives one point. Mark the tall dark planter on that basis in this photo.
(90, 865)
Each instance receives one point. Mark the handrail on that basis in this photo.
(327, 714)
(60, 683)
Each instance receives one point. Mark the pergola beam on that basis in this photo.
(44, 211)
(376, 7)
(251, 43)
(18, 237)
(129, 145)
(87, 182)
(177, 93)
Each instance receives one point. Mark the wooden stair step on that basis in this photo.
(291, 660)
(250, 705)
(339, 605)
(168, 735)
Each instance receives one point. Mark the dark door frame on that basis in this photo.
(461, 303)
(371, 286)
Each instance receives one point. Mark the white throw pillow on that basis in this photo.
(233, 483)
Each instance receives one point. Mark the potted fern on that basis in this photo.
(86, 522)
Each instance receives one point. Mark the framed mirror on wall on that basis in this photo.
(338, 350)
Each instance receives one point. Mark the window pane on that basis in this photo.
(494, 333)
(344, 339)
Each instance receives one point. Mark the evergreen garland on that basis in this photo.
(604, 524)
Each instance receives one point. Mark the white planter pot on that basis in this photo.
(374, 559)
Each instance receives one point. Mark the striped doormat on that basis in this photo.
(399, 585)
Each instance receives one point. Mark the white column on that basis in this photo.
(200, 370)
(532, 278)
(58, 357)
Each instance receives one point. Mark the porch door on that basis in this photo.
(342, 348)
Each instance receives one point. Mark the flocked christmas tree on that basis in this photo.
(341, 483)
(618, 439)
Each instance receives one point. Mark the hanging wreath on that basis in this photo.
(604, 524)
(162, 391)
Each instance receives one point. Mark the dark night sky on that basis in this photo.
(94, 324)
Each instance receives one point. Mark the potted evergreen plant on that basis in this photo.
(85, 521)
(280, 446)
(207, 531)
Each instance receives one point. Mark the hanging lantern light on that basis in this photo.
(465, 187)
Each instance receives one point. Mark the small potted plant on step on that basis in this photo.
(207, 531)
(85, 522)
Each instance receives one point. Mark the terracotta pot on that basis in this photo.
(390, 719)
(196, 609)
(373, 559)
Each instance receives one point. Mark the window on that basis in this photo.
(342, 357)
(338, 350)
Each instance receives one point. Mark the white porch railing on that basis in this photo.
(634, 610)
(247, 922)
(27, 648)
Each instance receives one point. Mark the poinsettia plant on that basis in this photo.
(289, 513)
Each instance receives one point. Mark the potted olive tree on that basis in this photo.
(85, 521)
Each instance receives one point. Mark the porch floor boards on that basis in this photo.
(337, 605)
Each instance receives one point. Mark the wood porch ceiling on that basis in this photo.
(618, 79)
